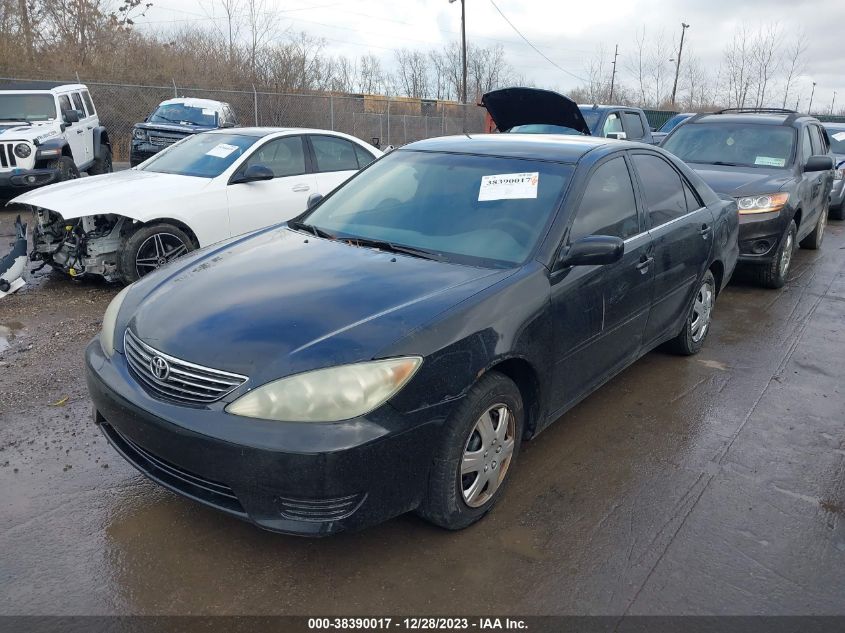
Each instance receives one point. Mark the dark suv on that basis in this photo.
(777, 165)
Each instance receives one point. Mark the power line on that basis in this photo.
(539, 52)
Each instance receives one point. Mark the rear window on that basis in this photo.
(739, 144)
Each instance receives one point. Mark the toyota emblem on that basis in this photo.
(160, 368)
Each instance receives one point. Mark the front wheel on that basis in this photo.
(66, 167)
(773, 274)
(480, 443)
(151, 247)
(691, 338)
(102, 165)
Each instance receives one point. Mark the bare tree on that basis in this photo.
(766, 60)
(371, 77)
(737, 67)
(794, 63)
(412, 73)
(636, 65)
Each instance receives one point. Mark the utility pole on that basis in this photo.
(463, 50)
(833, 102)
(613, 76)
(812, 92)
(684, 28)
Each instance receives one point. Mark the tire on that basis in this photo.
(155, 243)
(66, 167)
(773, 275)
(813, 241)
(102, 165)
(455, 501)
(697, 326)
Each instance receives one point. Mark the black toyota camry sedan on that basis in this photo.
(390, 349)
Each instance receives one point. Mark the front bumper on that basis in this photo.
(141, 151)
(295, 478)
(21, 179)
(759, 236)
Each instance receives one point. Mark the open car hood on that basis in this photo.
(509, 107)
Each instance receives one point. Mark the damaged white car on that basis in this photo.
(201, 190)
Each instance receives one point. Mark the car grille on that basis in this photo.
(205, 490)
(7, 155)
(182, 381)
(163, 141)
(319, 509)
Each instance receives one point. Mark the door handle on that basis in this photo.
(79, 131)
(301, 187)
(644, 263)
(705, 231)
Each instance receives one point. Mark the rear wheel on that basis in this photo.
(102, 165)
(813, 241)
(691, 339)
(773, 274)
(66, 167)
(480, 442)
(150, 248)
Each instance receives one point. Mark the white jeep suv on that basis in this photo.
(49, 133)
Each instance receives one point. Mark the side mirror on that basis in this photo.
(313, 199)
(819, 163)
(71, 116)
(253, 173)
(593, 250)
(619, 136)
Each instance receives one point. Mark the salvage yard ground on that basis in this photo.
(708, 484)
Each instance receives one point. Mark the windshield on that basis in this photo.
(543, 128)
(591, 116)
(205, 155)
(478, 210)
(837, 139)
(672, 123)
(27, 107)
(741, 144)
(183, 114)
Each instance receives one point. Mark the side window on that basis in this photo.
(664, 192)
(633, 125)
(230, 114)
(612, 124)
(64, 103)
(77, 104)
(284, 156)
(693, 201)
(806, 143)
(816, 138)
(608, 206)
(88, 103)
(334, 154)
(363, 156)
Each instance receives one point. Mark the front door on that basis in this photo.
(74, 132)
(86, 124)
(600, 312)
(682, 233)
(254, 205)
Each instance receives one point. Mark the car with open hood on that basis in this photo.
(389, 349)
(205, 188)
(537, 111)
(836, 136)
(173, 120)
(777, 165)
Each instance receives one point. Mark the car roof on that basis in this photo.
(763, 118)
(194, 102)
(266, 131)
(601, 107)
(834, 125)
(38, 86)
(554, 147)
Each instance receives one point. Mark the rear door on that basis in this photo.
(336, 160)
(600, 312)
(823, 179)
(87, 123)
(681, 229)
(254, 205)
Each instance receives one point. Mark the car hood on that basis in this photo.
(509, 107)
(132, 193)
(280, 302)
(740, 181)
(181, 129)
(12, 131)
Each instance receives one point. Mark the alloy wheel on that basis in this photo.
(157, 250)
(487, 455)
(702, 308)
(786, 255)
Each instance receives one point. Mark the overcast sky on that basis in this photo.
(568, 32)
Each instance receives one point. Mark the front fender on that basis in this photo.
(101, 142)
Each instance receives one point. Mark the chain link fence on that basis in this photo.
(386, 120)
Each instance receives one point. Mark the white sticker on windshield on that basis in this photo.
(839, 136)
(509, 186)
(208, 112)
(221, 150)
(768, 161)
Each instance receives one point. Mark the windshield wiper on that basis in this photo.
(724, 163)
(159, 116)
(384, 245)
(315, 230)
(16, 120)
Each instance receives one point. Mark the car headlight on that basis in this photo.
(764, 203)
(22, 150)
(139, 135)
(839, 173)
(328, 395)
(109, 320)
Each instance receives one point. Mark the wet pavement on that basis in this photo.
(706, 485)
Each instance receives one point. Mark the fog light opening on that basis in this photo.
(760, 247)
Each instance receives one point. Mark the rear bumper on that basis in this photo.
(357, 473)
(22, 179)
